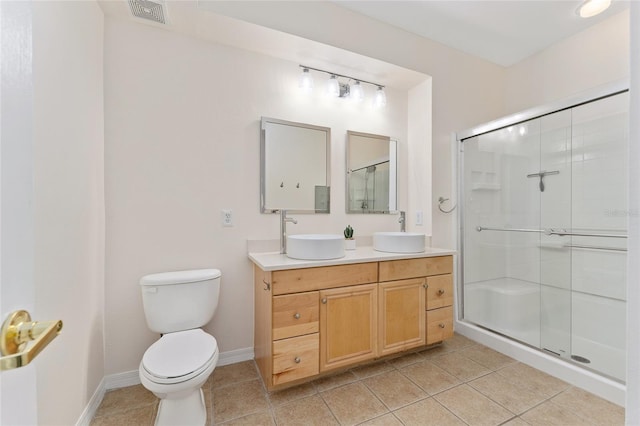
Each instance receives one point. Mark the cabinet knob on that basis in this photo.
(297, 360)
(441, 325)
(324, 300)
(296, 315)
(425, 285)
(440, 292)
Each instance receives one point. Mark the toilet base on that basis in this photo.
(187, 411)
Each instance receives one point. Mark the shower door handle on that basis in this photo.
(563, 233)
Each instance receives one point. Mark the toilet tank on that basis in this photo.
(181, 300)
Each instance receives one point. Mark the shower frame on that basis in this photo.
(562, 368)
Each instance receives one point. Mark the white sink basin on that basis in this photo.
(398, 242)
(315, 246)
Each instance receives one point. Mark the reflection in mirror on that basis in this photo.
(294, 167)
(371, 173)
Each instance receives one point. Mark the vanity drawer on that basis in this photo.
(296, 358)
(439, 291)
(414, 268)
(295, 314)
(439, 324)
(309, 279)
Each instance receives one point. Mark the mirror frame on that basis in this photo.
(263, 122)
(348, 172)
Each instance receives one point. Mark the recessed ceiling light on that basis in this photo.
(592, 7)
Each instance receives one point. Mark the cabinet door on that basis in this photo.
(402, 315)
(348, 325)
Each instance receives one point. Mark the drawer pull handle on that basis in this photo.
(441, 325)
(297, 360)
(296, 315)
(440, 292)
(324, 300)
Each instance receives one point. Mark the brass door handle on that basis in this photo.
(17, 331)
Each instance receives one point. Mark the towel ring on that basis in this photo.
(441, 201)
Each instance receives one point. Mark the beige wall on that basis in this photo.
(68, 198)
(182, 143)
(591, 58)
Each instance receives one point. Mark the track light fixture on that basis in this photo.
(336, 88)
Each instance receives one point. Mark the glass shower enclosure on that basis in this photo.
(544, 219)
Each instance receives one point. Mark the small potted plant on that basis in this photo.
(349, 242)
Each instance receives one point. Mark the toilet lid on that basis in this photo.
(180, 353)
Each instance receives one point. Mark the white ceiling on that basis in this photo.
(503, 32)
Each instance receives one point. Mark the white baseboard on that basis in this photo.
(234, 357)
(131, 378)
(121, 380)
(92, 406)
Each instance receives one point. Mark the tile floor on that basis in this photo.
(457, 383)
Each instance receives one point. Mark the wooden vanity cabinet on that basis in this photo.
(312, 320)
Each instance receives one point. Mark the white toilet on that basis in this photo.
(176, 366)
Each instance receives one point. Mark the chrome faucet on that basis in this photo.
(403, 222)
(283, 230)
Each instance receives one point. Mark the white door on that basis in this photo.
(18, 403)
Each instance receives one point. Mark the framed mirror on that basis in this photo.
(371, 173)
(294, 167)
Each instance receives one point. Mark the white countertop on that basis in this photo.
(275, 261)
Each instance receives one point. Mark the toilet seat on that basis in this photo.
(180, 356)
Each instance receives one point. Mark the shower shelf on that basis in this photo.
(486, 187)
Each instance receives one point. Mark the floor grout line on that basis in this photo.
(460, 347)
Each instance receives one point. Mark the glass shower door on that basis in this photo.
(600, 207)
(502, 231)
(544, 249)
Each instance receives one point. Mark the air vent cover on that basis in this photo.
(149, 10)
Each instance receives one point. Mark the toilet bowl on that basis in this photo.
(176, 366)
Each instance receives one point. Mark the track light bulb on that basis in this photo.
(333, 86)
(356, 92)
(305, 82)
(380, 99)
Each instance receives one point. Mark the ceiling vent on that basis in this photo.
(148, 10)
